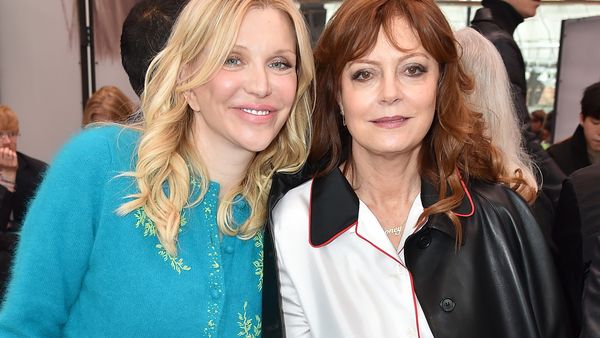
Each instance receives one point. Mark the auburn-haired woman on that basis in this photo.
(155, 230)
(410, 227)
(107, 104)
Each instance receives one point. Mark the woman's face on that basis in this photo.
(389, 96)
(245, 105)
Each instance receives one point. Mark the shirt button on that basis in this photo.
(215, 294)
(229, 249)
(424, 240)
(447, 304)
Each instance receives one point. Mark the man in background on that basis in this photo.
(145, 32)
(577, 235)
(583, 148)
(497, 21)
(20, 176)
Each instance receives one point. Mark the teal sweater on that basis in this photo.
(83, 271)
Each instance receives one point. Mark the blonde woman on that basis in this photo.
(155, 230)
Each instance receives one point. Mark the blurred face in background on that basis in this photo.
(9, 139)
(591, 130)
(526, 8)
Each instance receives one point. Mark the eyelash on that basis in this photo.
(235, 59)
(281, 64)
(415, 70)
(412, 70)
(362, 75)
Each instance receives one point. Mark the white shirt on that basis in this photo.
(356, 285)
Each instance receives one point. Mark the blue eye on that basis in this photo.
(280, 65)
(232, 61)
(362, 75)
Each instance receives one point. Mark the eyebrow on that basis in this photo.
(402, 58)
(279, 51)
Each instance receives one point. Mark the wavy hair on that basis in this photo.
(166, 155)
(491, 97)
(455, 147)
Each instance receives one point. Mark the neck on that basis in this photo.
(504, 14)
(226, 164)
(385, 180)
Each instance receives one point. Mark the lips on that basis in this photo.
(390, 119)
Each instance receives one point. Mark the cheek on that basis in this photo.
(285, 87)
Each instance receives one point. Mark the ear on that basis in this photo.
(191, 99)
(338, 98)
(189, 95)
(581, 118)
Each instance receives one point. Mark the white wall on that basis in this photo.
(40, 77)
(39, 74)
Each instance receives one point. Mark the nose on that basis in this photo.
(258, 82)
(390, 91)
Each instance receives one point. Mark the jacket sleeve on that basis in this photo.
(56, 241)
(543, 291)
(591, 300)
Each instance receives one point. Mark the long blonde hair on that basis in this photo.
(492, 98)
(166, 152)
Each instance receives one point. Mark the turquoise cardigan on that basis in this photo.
(83, 271)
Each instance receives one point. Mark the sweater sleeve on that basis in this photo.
(57, 238)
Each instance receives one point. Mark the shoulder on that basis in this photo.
(561, 148)
(31, 162)
(497, 198)
(100, 142)
(294, 207)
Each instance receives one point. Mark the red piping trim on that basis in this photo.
(468, 196)
(412, 285)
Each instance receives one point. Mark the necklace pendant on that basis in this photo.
(393, 231)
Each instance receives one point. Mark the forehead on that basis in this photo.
(271, 25)
(398, 36)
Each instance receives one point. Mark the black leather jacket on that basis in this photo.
(501, 282)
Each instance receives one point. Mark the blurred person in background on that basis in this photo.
(145, 32)
(19, 179)
(107, 104)
(497, 21)
(583, 148)
(577, 235)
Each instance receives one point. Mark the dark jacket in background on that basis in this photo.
(497, 21)
(571, 154)
(462, 293)
(577, 235)
(13, 207)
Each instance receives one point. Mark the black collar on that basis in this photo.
(334, 208)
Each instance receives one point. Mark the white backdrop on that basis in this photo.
(579, 67)
(40, 76)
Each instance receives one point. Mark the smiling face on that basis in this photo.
(389, 96)
(247, 102)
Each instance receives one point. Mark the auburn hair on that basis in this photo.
(455, 147)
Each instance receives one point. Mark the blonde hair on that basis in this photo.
(491, 97)
(166, 152)
(110, 101)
